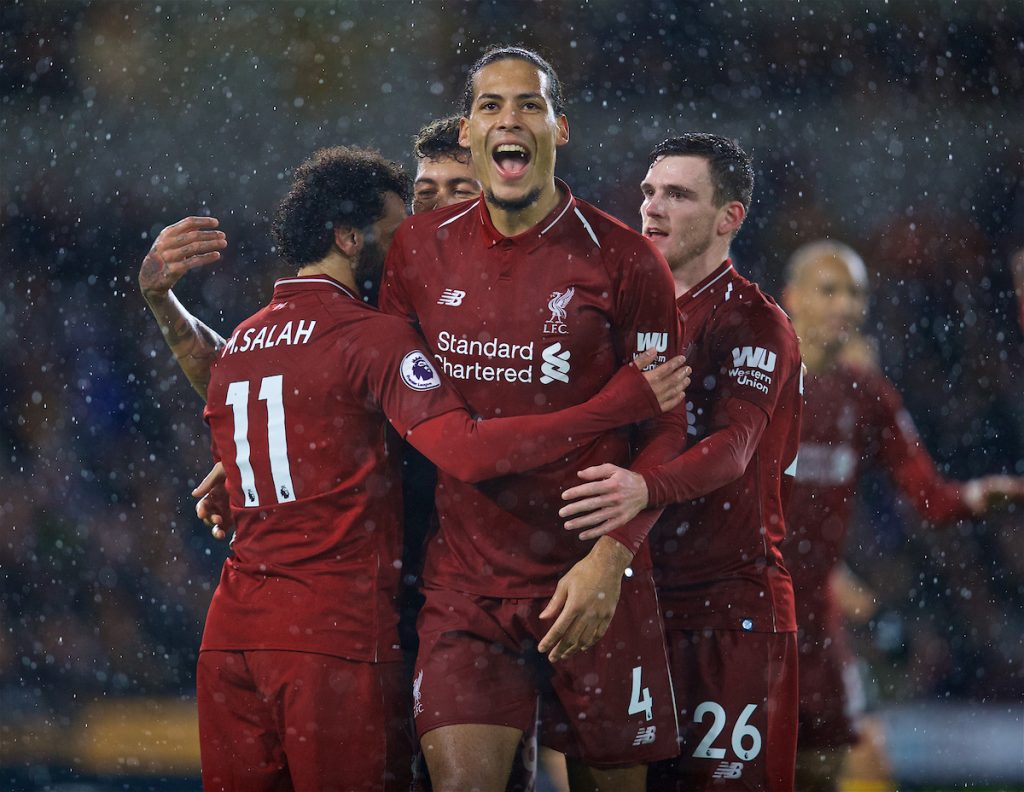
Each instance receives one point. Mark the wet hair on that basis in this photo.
(440, 140)
(826, 248)
(732, 172)
(338, 186)
(494, 54)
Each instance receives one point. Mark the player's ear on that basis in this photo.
(563, 130)
(348, 240)
(464, 132)
(731, 218)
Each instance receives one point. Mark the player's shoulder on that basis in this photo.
(868, 381)
(623, 248)
(743, 301)
(427, 224)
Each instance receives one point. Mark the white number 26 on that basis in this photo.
(746, 739)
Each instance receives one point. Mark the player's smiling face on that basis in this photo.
(513, 132)
(678, 211)
(443, 181)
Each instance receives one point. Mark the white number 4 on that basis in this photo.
(742, 730)
(640, 699)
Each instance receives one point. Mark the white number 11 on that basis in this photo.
(271, 390)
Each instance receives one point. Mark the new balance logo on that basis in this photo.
(645, 736)
(729, 770)
(555, 365)
(753, 357)
(645, 341)
(451, 297)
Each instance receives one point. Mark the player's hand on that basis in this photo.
(189, 243)
(981, 494)
(585, 600)
(213, 507)
(611, 498)
(669, 381)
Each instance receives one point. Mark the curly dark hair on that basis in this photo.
(337, 186)
(494, 54)
(440, 139)
(732, 171)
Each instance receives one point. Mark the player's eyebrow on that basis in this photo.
(519, 97)
(425, 180)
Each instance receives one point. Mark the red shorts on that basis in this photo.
(736, 693)
(831, 694)
(275, 720)
(608, 707)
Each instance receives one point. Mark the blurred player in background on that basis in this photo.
(853, 421)
(725, 594)
(529, 296)
(299, 681)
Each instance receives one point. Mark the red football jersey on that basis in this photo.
(853, 421)
(525, 325)
(717, 559)
(296, 405)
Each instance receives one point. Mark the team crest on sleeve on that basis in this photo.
(418, 372)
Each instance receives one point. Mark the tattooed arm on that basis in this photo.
(189, 243)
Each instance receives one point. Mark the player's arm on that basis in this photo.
(738, 421)
(936, 498)
(183, 246)
(612, 494)
(473, 450)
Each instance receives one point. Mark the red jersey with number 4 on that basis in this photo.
(854, 421)
(525, 325)
(717, 558)
(296, 407)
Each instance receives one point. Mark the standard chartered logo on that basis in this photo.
(556, 364)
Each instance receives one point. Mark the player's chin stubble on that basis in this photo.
(513, 204)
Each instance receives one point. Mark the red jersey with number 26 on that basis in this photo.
(296, 406)
(717, 559)
(526, 325)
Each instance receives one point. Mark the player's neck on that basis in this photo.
(689, 273)
(510, 222)
(336, 266)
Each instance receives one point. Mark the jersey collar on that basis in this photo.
(712, 284)
(533, 237)
(286, 287)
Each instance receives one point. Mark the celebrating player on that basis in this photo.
(853, 421)
(444, 169)
(299, 681)
(727, 599)
(530, 299)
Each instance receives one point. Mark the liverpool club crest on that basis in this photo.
(555, 325)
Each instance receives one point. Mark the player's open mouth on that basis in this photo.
(655, 233)
(512, 160)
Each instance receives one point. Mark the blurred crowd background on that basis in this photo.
(896, 127)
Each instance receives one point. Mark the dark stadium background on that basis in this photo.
(897, 127)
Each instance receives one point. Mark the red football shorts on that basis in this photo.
(831, 694)
(736, 694)
(274, 720)
(608, 707)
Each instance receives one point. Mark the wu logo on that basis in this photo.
(645, 341)
(451, 297)
(753, 357)
(555, 325)
(555, 365)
